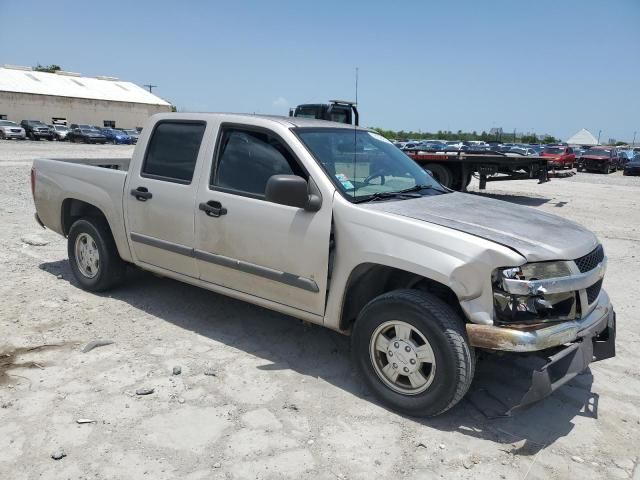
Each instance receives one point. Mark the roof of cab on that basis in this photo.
(290, 122)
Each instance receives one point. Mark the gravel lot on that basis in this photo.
(261, 395)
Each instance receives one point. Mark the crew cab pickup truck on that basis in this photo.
(332, 224)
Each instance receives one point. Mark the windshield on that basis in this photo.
(88, 131)
(374, 166)
(62, 128)
(554, 150)
(131, 132)
(7, 123)
(597, 152)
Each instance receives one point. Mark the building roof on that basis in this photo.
(64, 84)
(583, 137)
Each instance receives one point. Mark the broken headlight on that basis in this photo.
(535, 307)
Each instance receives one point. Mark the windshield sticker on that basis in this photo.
(344, 181)
(378, 137)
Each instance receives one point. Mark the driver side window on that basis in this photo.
(248, 158)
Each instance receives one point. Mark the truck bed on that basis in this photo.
(95, 181)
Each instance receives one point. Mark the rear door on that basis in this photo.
(276, 252)
(159, 197)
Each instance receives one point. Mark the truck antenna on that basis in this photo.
(357, 85)
(355, 139)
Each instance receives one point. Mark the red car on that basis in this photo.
(560, 156)
(600, 159)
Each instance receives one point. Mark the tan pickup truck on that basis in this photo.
(334, 225)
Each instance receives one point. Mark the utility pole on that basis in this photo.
(599, 132)
(633, 144)
(150, 87)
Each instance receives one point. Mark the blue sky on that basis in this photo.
(544, 66)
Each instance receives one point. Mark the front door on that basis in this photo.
(276, 252)
(160, 197)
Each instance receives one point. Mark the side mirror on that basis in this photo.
(429, 172)
(293, 191)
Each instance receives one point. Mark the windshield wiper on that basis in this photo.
(385, 195)
(417, 188)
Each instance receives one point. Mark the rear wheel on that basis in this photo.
(412, 350)
(441, 173)
(93, 255)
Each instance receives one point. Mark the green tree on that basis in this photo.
(529, 139)
(550, 139)
(47, 68)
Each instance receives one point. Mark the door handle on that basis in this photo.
(213, 208)
(141, 194)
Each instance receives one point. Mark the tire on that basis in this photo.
(442, 173)
(428, 318)
(109, 269)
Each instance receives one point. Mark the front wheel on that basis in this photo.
(93, 256)
(412, 350)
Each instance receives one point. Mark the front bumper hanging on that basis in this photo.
(566, 350)
(563, 366)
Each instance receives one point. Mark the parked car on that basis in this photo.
(377, 248)
(117, 137)
(625, 156)
(86, 135)
(85, 126)
(9, 130)
(133, 134)
(35, 130)
(523, 150)
(560, 156)
(60, 132)
(632, 167)
(599, 159)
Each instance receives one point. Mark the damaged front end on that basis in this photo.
(555, 311)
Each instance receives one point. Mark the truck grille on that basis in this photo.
(593, 291)
(590, 261)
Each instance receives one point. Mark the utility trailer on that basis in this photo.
(455, 169)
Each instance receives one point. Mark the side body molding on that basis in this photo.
(251, 268)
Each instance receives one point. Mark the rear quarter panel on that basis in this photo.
(57, 181)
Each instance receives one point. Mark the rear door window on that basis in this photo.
(173, 151)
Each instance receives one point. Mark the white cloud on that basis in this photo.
(280, 102)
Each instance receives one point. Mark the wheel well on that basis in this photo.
(368, 281)
(73, 209)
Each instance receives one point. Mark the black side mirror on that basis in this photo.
(293, 191)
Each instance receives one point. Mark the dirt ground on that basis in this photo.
(260, 395)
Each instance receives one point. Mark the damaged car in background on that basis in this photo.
(332, 224)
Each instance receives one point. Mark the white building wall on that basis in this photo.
(25, 106)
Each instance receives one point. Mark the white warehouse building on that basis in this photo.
(67, 98)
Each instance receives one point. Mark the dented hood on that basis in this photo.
(536, 235)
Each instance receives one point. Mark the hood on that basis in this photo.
(536, 235)
(599, 156)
